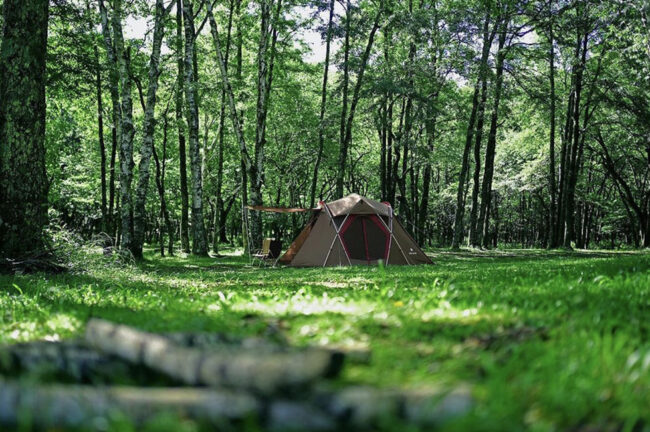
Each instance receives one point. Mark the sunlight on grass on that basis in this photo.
(544, 338)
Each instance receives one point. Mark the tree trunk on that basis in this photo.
(346, 124)
(180, 124)
(483, 224)
(246, 161)
(473, 218)
(323, 106)
(340, 175)
(460, 194)
(218, 221)
(160, 184)
(199, 239)
(127, 128)
(149, 130)
(552, 239)
(23, 180)
(256, 170)
(116, 134)
(100, 136)
(574, 165)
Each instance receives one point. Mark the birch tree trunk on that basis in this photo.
(149, 130)
(23, 180)
(199, 240)
(127, 130)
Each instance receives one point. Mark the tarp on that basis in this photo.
(279, 209)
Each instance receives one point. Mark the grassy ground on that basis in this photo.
(547, 340)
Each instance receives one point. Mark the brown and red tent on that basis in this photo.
(353, 231)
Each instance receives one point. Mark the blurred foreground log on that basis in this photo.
(73, 361)
(357, 408)
(266, 374)
(80, 406)
(256, 382)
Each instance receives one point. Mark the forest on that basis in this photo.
(484, 123)
(154, 154)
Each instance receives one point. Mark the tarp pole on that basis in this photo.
(329, 213)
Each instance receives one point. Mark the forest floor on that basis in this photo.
(546, 340)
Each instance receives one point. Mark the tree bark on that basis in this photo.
(127, 132)
(100, 137)
(220, 222)
(552, 239)
(573, 156)
(235, 117)
(149, 130)
(340, 176)
(473, 217)
(116, 134)
(199, 238)
(346, 123)
(256, 170)
(23, 180)
(160, 184)
(460, 193)
(323, 106)
(483, 224)
(180, 124)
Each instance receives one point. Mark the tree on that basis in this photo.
(347, 118)
(149, 128)
(23, 179)
(180, 124)
(488, 36)
(199, 237)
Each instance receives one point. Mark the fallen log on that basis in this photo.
(269, 373)
(356, 408)
(363, 407)
(72, 361)
(75, 406)
(220, 341)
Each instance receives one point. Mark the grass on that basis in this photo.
(547, 340)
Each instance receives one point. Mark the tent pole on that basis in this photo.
(392, 236)
(337, 230)
(390, 233)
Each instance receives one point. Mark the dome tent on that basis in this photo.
(353, 230)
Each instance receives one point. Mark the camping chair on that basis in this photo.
(269, 254)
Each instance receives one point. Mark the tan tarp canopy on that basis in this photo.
(353, 231)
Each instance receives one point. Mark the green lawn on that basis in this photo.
(547, 340)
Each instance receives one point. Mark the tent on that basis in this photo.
(353, 231)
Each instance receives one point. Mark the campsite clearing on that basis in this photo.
(551, 339)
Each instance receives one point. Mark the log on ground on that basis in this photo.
(62, 406)
(267, 374)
